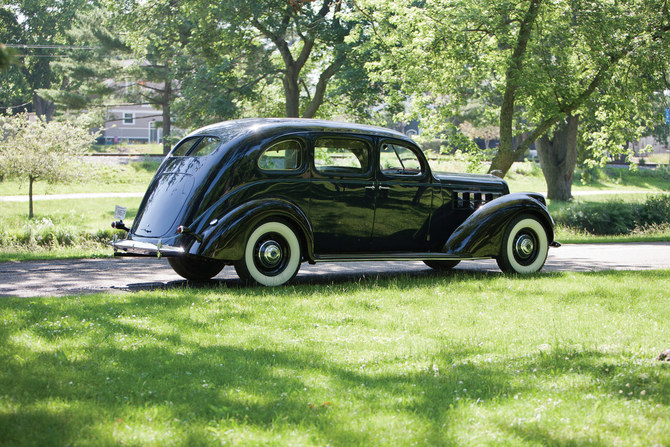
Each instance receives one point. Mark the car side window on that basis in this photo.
(196, 147)
(341, 156)
(283, 156)
(395, 159)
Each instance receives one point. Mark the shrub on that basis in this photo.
(654, 211)
(616, 217)
(608, 218)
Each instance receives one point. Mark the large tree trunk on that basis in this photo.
(292, 92)
(506, 153)
(558, 157)
(43, 108)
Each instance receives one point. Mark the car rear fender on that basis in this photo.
(227, 238)
(481, 234)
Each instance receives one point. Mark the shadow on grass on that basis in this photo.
(96, 378)
(301, 284)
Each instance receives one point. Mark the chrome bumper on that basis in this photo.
(135, 248)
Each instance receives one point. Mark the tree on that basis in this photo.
(15, 93)
(6, 57)
(41, 151)
(281, 54)
(158, 33)
(537, 62)
(558, 157)
(39, 26)
(91, 68)
(623, 48)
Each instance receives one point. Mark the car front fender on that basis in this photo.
(226, 239)
(481, 234)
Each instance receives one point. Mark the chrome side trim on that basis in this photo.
(129, 247)
(395, 257)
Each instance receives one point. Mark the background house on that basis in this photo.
(133, 124)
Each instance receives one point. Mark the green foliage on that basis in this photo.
(35, 23)
(6, 57)
(40, 235)
(269, 58)
(526, 65)
(146, 165)
(616, 217)
(458, 359)
(91, 71)
(41, 151)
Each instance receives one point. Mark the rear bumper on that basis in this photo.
(135, 248)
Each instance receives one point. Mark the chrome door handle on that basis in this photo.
(384, 187)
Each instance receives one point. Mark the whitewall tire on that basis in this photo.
(524, 247)
(271, 255)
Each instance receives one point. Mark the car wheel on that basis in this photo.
(525, 246)
(442, 265)
(196, 269)
(271, 255)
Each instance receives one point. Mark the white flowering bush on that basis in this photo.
(39, 151)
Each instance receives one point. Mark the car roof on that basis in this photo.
(229, 130)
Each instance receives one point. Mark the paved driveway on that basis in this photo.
(58, 278)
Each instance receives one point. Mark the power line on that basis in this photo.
(53, 47)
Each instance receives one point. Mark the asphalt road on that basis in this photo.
(69, 277)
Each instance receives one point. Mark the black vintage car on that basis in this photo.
(265, 195)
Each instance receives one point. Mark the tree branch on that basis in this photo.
(304, 86)
(372, 23)
(328, 73)
(279, 42)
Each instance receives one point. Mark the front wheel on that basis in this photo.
(525, 246)
(271, 255)
(196, 269)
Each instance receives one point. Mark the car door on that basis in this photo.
(404, 199)
(342, 193)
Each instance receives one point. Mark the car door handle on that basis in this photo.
(384, 187)
(370, 187)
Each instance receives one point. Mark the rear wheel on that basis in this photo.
(525, 246)
(442, 265)
(196, 269)
(271, 255)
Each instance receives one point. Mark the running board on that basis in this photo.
(402, 256)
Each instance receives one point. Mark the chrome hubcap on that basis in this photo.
(270, 253)
(525, 246)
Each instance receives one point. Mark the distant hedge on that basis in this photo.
(43, 233)
(614, 217)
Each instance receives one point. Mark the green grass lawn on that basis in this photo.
(128, 148)
(132, 177)
(455, 359)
